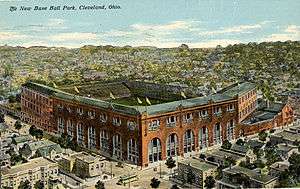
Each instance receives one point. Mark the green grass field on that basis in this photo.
(132, 101)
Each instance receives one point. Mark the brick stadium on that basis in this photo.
(120, 128)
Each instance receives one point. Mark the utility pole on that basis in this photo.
(111, 175)
(159, 169)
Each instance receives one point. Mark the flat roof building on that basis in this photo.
(199, 169)
(38, 169)
(240, 177)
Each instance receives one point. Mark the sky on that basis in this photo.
(160, 23)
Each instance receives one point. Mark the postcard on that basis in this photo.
(149, 94)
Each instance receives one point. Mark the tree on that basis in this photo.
(35, 132)
(294, 167)
(18, 125)
(24, 185)
(272, 156)
(12, 99)
(219, 173)
(229, 161)
(284, 179)
(7, 187)
(2, 117)
(242, 179)
(226, 145)
(17, 159)
(209, 182)
(32, 130)
(190, 177)
(174, 186)
(202, 156)
(100, 185)
(39, 185)
(262, 136)
(154, 183)
(170, 163)
(240, 142)
(210, 158)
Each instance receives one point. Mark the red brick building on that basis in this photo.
(140, 134)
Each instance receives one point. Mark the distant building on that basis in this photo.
(286, 150)
(197, 170)
(269, 115)
(41, 148)
(239, 177)
(293, 98)
(220, 156)
(82, 164)
(245, 150)
(20, 141)
(290, 136)
(38, 169)
(277, 168)
(255, 144)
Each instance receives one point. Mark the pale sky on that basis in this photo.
(161, 23)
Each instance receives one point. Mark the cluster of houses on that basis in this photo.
(235, 174)
(44, 160)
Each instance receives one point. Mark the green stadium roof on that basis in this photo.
(238, 89)
(137, 110)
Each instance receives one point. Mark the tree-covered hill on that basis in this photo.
(273, 66)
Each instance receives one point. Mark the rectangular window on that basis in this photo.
(188, 118)
(230, 108)
(131, 125)
(103, 117)
(171, 121)
(91, 114)
(117, 121)
(80, 111)
(217, 110)
(203, 113)
(154, 125)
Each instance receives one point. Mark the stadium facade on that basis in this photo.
(143, 135)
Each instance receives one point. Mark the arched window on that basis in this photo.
(189, 143)
(203, 137)
(132, 151)
(80, 134)
(172, 145)
(230, 130)
(61, 125)
(217, 134)
(117, 146)
(154, 150)
(70, 128)
(104, 141)
(91, 138)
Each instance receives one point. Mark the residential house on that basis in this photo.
(278, 167)
(42, 148)
(239, 177)
(286, 150)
